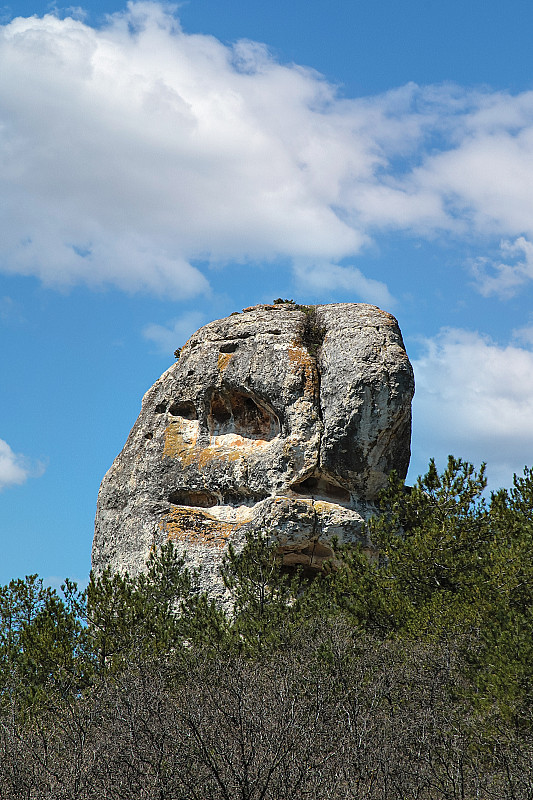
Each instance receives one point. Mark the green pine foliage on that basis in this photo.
(421, 652)
(436, 550)
(148, 616)
(269, 602)
(41, 637)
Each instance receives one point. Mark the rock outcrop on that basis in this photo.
(285, 418)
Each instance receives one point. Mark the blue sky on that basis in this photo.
(164, 166)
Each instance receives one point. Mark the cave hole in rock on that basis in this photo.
(183, 408)
(321, 487)
(189, 497)
(244, 497)
(240, 413)
(311, 557)
(228, 347)
(320, 551)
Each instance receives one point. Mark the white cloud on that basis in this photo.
(131, 152)
(325, 278)
(524, 335)
(504, 279)
(168, 338)
(474, 399)
(484, 177)
(15, 468)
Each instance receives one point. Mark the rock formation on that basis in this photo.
(284, 418)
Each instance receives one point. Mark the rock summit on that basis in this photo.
(283, 418)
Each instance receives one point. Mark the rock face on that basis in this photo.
(285, 418)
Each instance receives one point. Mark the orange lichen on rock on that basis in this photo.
(197, 527)
(226, 447)
(323, 507)
(180, 437)
(228, 441)
(260, 307)
(176, 446)
(223, 361)
(207, 454)
(301, 361)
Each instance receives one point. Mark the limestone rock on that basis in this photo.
(286, 418)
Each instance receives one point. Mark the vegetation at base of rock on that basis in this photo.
(406, 677)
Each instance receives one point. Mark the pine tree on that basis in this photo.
(267, 598)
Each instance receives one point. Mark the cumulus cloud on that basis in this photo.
(474, 399)
(173, 335)
(14, 467)
(524, 335)
(328, 277)
(504, 279)
(133, 152)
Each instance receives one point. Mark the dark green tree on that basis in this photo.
(150, 615)
(267, 599)
(431, 572)
(41, 640)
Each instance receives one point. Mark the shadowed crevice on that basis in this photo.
(197, 499)
(314, 486)
(183, 408)
(242, 414)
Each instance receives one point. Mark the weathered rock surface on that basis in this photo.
(285, 418)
